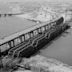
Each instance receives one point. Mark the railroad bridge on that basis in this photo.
(24, 43)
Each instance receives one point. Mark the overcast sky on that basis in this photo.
(69, 1)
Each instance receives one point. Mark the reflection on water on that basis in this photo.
(60, 49)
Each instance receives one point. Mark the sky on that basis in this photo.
(69, 1)
(55, 1)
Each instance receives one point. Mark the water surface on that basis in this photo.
(60, 49)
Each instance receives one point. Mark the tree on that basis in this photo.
(1, 64)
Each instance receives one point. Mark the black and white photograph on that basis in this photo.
(35, 35)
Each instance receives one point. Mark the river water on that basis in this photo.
(60, 48)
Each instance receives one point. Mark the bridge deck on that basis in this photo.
(11, 25)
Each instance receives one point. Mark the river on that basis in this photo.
(60, 48)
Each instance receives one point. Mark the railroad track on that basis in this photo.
(15, 52)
